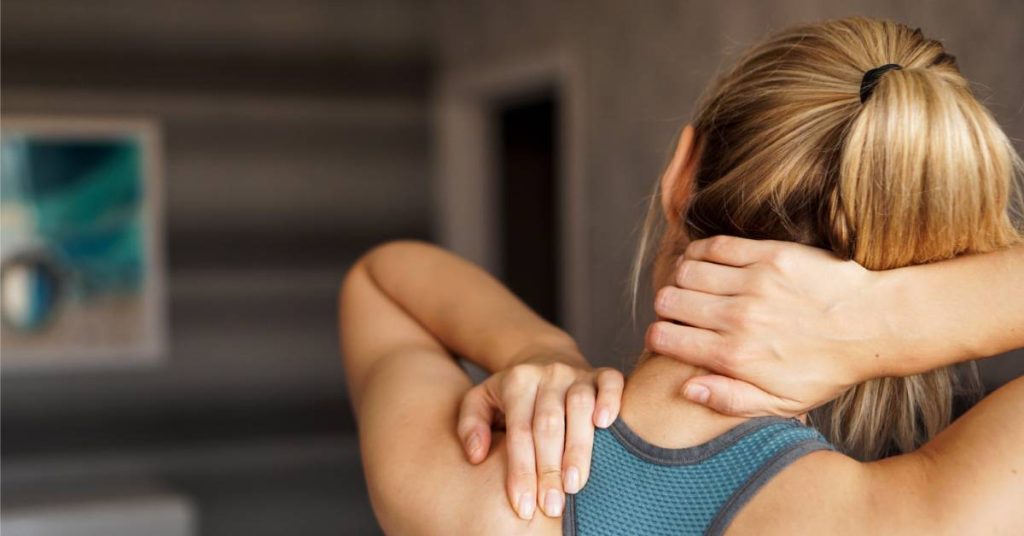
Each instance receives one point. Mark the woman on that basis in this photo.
(856, 136)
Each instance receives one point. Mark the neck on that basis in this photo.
(653, 405)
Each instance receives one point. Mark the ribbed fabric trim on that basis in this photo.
(690, 455)
(569, 516)
(742, 496)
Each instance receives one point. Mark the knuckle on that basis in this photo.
(579, 399)
(577, 452)
(523, 474)
(558, 371)
(758, 285)
(664, 299)
(477, 391)
(550, 472)
(718, 245)
(609, 378)
(695, 248)
(518, 378)
(684, 272)
(470, 401)
(658, 337)
(726, 362)
(753, 315)
(519, 431)
(730, 356)
(729, 403)
(779, 259)
(651, 336)
(736, 404)
(549, 422)
(740, 312)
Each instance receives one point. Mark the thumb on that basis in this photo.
(735, 397)
(476, 417)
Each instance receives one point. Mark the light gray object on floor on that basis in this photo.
(155, 514)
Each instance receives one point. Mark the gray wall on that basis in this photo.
(295, 135)
(644, 65)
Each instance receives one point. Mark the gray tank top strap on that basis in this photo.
(742, 496)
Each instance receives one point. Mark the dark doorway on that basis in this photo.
(529, 202)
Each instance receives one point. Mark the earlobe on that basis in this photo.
(677, 180)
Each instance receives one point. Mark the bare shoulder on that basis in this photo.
(827, 492)
(817, 494)
(966, 480)
(418, 478)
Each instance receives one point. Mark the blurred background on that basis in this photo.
(169, 356)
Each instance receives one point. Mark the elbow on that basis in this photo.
(395, 250)
(360, 296)
(347, 305)
(402, 252)
(350, 281)
(361, 270)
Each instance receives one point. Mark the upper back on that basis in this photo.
(638, 488)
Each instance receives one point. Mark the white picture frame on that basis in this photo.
(86, 329)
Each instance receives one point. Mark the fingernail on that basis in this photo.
(697, 393)
(553, 503)
(604, 418)
(526, 506)
(572, 480)
(473, 444)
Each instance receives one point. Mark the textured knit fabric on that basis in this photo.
(636, 488)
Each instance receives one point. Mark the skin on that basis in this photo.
(967, 480)
(542, 390)
(794, 326)
(560, 401)
(407, 389)
(788, 327)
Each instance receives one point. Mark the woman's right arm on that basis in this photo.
(971, 307)
(787, 327)
(969, 479)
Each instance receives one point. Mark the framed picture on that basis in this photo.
(81, 243)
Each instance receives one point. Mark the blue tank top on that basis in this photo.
(636, 488)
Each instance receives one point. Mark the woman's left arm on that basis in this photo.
(412, 299)
(463, 307)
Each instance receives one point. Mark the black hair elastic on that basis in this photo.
(870, 80)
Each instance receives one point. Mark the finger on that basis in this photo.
(609, 396)
(698, 309)
(728, 250)
(522, 465)
(737, 397)
(709, 277)
(694, 346)
(580, 401)
(549, 442)
(476, 418)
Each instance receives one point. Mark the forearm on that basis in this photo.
(944, 313)
(465, 308)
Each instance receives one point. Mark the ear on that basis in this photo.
(677, 181)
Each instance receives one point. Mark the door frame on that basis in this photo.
(467, 176)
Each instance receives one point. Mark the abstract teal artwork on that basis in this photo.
(79, 273)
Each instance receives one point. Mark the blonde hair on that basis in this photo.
(917, 173)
